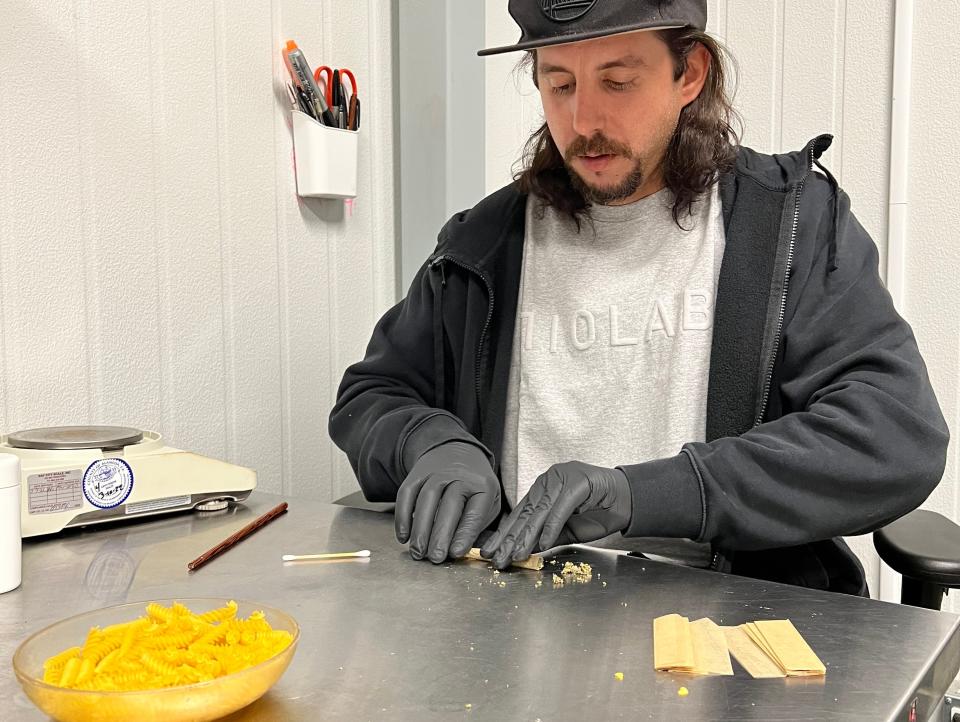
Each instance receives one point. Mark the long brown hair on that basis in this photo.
(702, 147)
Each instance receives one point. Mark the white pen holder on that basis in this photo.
(325, 158)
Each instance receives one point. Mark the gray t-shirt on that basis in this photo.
(611, 354)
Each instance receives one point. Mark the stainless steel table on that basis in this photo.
(395, 639)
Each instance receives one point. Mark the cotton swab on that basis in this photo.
(363, 553)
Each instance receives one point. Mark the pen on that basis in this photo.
(305, 104)
(300, 70)
(336, 90)
(293, 69)
(297, 99)
(343, 105)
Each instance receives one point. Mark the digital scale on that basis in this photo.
(79, 475)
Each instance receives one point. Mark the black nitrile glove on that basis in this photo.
(450, 495)
(572, 502)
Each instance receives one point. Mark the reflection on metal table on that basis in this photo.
(390, 638)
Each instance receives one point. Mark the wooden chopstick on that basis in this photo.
(237, 537)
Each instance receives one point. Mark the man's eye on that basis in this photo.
(614, 85)
(561, 89)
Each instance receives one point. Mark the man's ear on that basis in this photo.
(695, 75)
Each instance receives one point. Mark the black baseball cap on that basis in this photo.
(554, 22)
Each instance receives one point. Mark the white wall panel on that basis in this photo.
(117, 225)
(354, 250)
(718, 17)
(932, 279)
(42, 254)
(513, 102)
(187, 191)
(863, 165)
(246, 109)
(156, 265)
(759, 62)
(306, 301)
(812, 44)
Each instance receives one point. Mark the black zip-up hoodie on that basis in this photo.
(821, 421)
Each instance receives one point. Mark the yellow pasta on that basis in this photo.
(70, 672)
(58, 661)
(169, 646)
(158, 612)
(130, 631)
(221, 614)
(96, 650)
(104, 663)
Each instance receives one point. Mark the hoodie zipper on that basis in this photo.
(438, 261)
(783, 298)
(715, 559)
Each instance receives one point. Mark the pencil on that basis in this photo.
(237, 536)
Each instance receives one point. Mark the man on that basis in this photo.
(653, 331)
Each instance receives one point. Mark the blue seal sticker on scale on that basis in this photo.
(108, 482)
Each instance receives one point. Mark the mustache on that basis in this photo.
(597, 144)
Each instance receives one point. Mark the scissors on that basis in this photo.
(337, 97)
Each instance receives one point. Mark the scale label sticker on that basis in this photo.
(137, 507)
(54, 491)
(107, 482)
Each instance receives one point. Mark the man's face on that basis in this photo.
(612, 105)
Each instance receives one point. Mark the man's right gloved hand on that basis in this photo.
(449, 497)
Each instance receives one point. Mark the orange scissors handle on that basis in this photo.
(327, 82)
(353, 80)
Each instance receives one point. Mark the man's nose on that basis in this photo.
(588, 112)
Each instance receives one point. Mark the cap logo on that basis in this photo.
(563, 11)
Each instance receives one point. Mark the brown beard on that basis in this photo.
(599, 144)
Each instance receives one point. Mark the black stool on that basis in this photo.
(924, 547)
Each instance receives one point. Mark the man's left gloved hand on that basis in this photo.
(572, 502)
